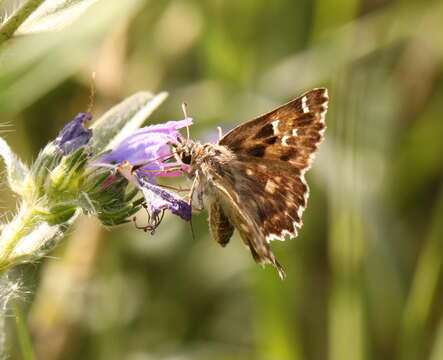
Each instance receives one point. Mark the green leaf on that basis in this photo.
(54, 15)
(16, 170)
(27, 60)
(123, 119)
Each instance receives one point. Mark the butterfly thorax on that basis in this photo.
(195, 155)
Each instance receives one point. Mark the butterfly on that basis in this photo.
(253, 178)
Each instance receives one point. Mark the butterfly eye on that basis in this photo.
(186, 158)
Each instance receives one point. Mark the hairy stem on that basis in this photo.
(8, 28)
(23, 223)
(22, 333)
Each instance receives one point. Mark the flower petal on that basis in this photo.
(148, 144)
(159, 199)
(74, 134)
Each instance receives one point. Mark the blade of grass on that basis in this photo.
(346, 309)
(22, 333)
(424, 286)
(437, 349)
(277, 334)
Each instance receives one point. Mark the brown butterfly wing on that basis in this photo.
(237, 206)
(267, 180)
(289, 134)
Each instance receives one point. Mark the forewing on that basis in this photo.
(290, 133)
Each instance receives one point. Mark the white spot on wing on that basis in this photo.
(304, 104)
(282, 236)
(275, 126)
(297, 225)
(284, 140)
(272, 237)
(294, 132)
(249, 172)
(301, 209)
(300, 212)
(270, 186)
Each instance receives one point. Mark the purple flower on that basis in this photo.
(74, 134)
(144, 155)
(159, 200)
(148, 148)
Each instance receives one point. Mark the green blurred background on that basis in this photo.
(364, 276)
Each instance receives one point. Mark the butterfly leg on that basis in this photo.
(173, 187)
(196, 194)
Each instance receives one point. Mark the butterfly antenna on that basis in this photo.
(185, 112)
(91, 93)
(220, 132)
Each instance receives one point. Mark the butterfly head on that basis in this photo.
(184, 150)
